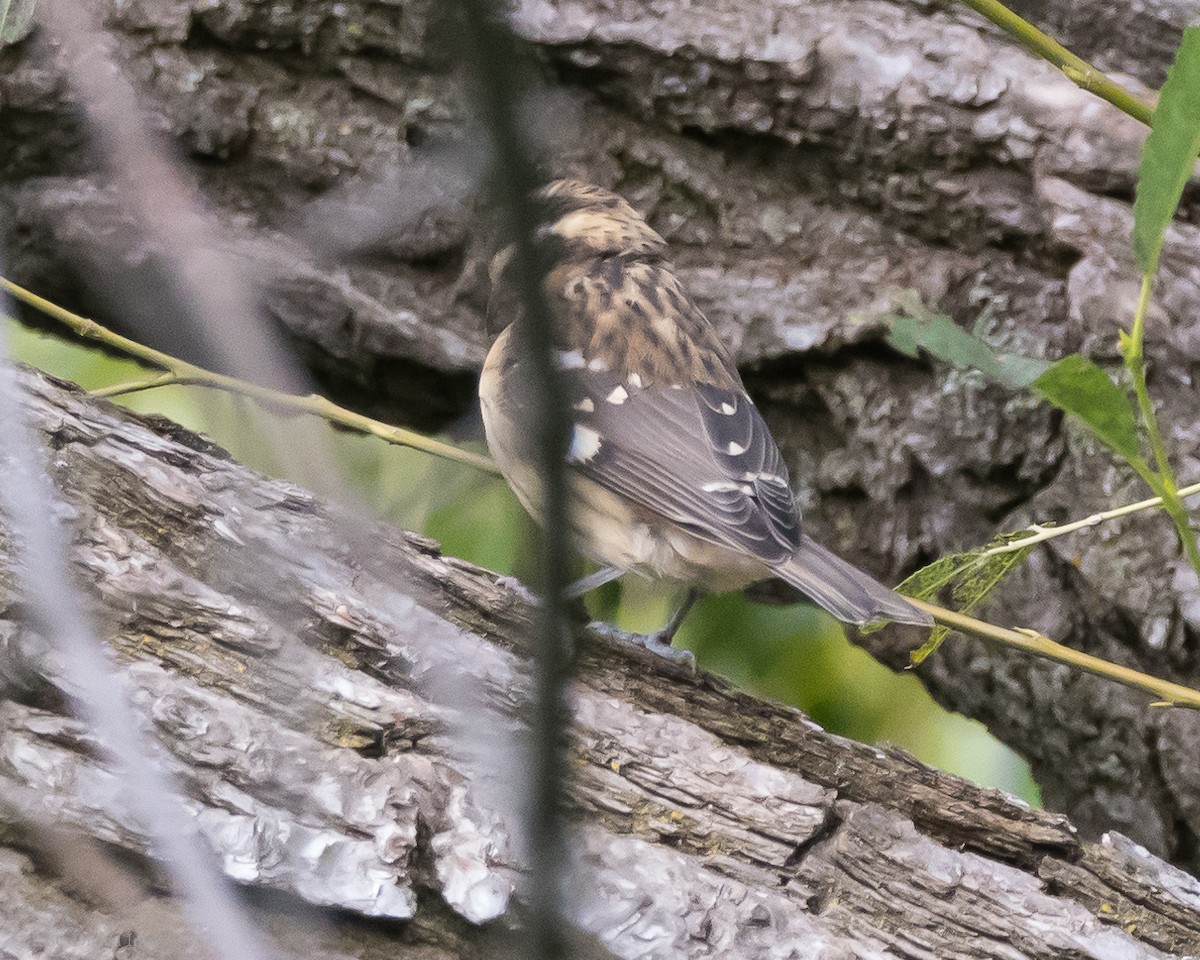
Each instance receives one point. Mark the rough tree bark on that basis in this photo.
(807, 161)
(328, 697)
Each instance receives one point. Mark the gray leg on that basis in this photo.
(667, 633)
(572, 591)
(592, 582)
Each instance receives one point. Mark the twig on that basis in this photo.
(1041, 533)
(180, 371)
(135, 386)
(1075, 68)
(1168, 694)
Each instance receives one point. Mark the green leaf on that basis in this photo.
(918, 330)
(15, 17)
(1079, 387)
(926, 582)
(1169, 153)
(974, 576)
(936, 636)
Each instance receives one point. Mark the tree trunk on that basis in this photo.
(809, 163)
(339, 708)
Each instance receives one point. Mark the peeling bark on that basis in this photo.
(806, 162)
(338, 708)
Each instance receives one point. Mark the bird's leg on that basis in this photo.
(658, 642)
(573, 591)
(667, 633)
(593, 581)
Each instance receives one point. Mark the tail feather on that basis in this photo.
(845, 591)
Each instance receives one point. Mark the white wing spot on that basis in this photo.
(747, 489)
(586, 405)
(570, 360)
(618, 396)
(635, 380)
(597, 365)
(728, 408)
(765, 477)
(585, 444)
(722, 486)
(735, 448)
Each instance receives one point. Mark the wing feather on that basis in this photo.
(679, 455)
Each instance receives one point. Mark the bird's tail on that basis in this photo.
(845, 591)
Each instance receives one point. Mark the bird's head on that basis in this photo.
(588, 221)
(581, 221)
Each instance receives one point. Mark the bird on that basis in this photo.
(672, 471)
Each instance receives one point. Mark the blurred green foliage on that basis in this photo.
(795, 654)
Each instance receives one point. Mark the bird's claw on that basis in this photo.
(519, 590)
(655, 642)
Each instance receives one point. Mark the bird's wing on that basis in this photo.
(700, 456)
(660, 414)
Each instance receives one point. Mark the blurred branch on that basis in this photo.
(170, 215)
(1168, 693)
(54, 606)
(490, 58)
(178, 371)
(1075, 68)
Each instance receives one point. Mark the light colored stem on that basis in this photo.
(180, 371)
(1168, 694)
(1040, 533)
(1136, 362)
(1075, 68)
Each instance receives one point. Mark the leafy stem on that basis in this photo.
(1162, 478)
(1168, 693)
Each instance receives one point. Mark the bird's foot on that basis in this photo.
(658, 643)
(519, 590)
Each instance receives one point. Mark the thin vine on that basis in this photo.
(176, 372)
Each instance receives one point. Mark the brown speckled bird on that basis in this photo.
(673, 472)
